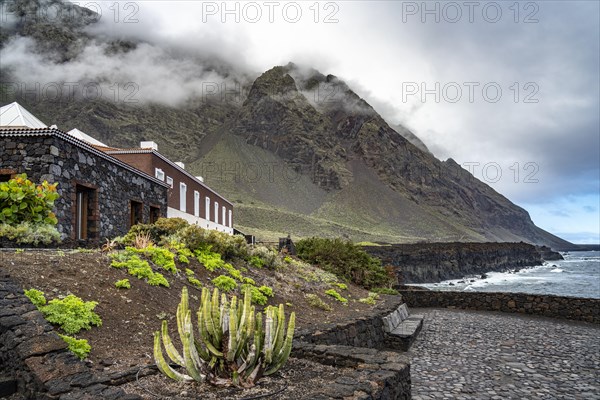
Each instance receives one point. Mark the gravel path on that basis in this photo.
(482, 355)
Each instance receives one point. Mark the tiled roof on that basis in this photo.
(18, 132)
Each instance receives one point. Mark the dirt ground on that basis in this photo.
(130, 316)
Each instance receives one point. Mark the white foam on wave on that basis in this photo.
(556, 270)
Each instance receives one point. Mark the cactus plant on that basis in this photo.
(232, 347)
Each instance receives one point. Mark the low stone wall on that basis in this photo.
(572, 308)
(381, 375)
(363, 332)
(35, 358)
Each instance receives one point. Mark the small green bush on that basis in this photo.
(224, 283)
(29, 233)
(371, 299)
(267, 291)
(123, 284)
(228, 246)
(160, 256)
(157, 279)
(189, 272)
(342, 286)
(333, 293)
(21, 200)
(258, 297)
(72, 314)
(233, 272)
(194, 281)
(211, 261)
(288, 259)
(36, 297)
(346, 260)
(317, 302)
(256, 262)
(79, 347)
(249, 281)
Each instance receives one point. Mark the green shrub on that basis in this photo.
(79, 347)
(342, 286)
(249, 281)
(157, 279)
(288, 259)
(384, 290)
(71, 313)
(228, 246)
(189, 272)
(233, 272)
(138, 267)
(29, 233)
(194, 281)
(333, 293)
(209, 259)
(256, 262)
(160, 256)
(257, 296)
(224, 283)
(315, 301)
(158, 232)
(267, 291)
(36, 297)
(265, 257)
(21, 200)
(183, 258)
(123, 284)
(371, 299)
(344, 259)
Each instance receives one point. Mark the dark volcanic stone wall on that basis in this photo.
(55, 160)
(35, 359)
(435, 262)
(549, 306)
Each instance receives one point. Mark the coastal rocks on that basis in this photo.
(436, 262)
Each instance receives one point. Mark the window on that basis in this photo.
(154, 214)
(230, 219)
(216, 212)
(223, 214)
(85, 204)
(170, 181)
(196, 203)
(5, 177)
(182, 196)
(136, 216)
(160, 174)
(207, 208)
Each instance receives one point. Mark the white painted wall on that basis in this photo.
(201, 222)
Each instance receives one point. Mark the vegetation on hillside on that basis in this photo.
(346, 260)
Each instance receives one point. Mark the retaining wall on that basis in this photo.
(35, 361)
(572, 308)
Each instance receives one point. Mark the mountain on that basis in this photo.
(297, 151)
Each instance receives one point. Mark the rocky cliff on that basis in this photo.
(435, 262)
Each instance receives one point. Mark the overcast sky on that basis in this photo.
(509, 90)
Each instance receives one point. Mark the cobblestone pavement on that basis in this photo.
(483, 355)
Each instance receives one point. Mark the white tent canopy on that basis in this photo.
(14, 115)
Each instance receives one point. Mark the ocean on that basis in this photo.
(577, 275)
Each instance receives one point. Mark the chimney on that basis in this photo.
(149, 144)
(201, 179)
(180, 164)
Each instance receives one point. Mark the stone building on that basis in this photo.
(103, 190)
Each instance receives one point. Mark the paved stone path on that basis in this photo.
(483, 355)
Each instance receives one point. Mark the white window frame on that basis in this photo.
(223, 216)
(207, 208)
(159, 174)
(230, 218)
(182, 197)
(196, 203)
(170, 181)
(216, 212)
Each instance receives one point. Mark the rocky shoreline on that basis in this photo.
(436, 262)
